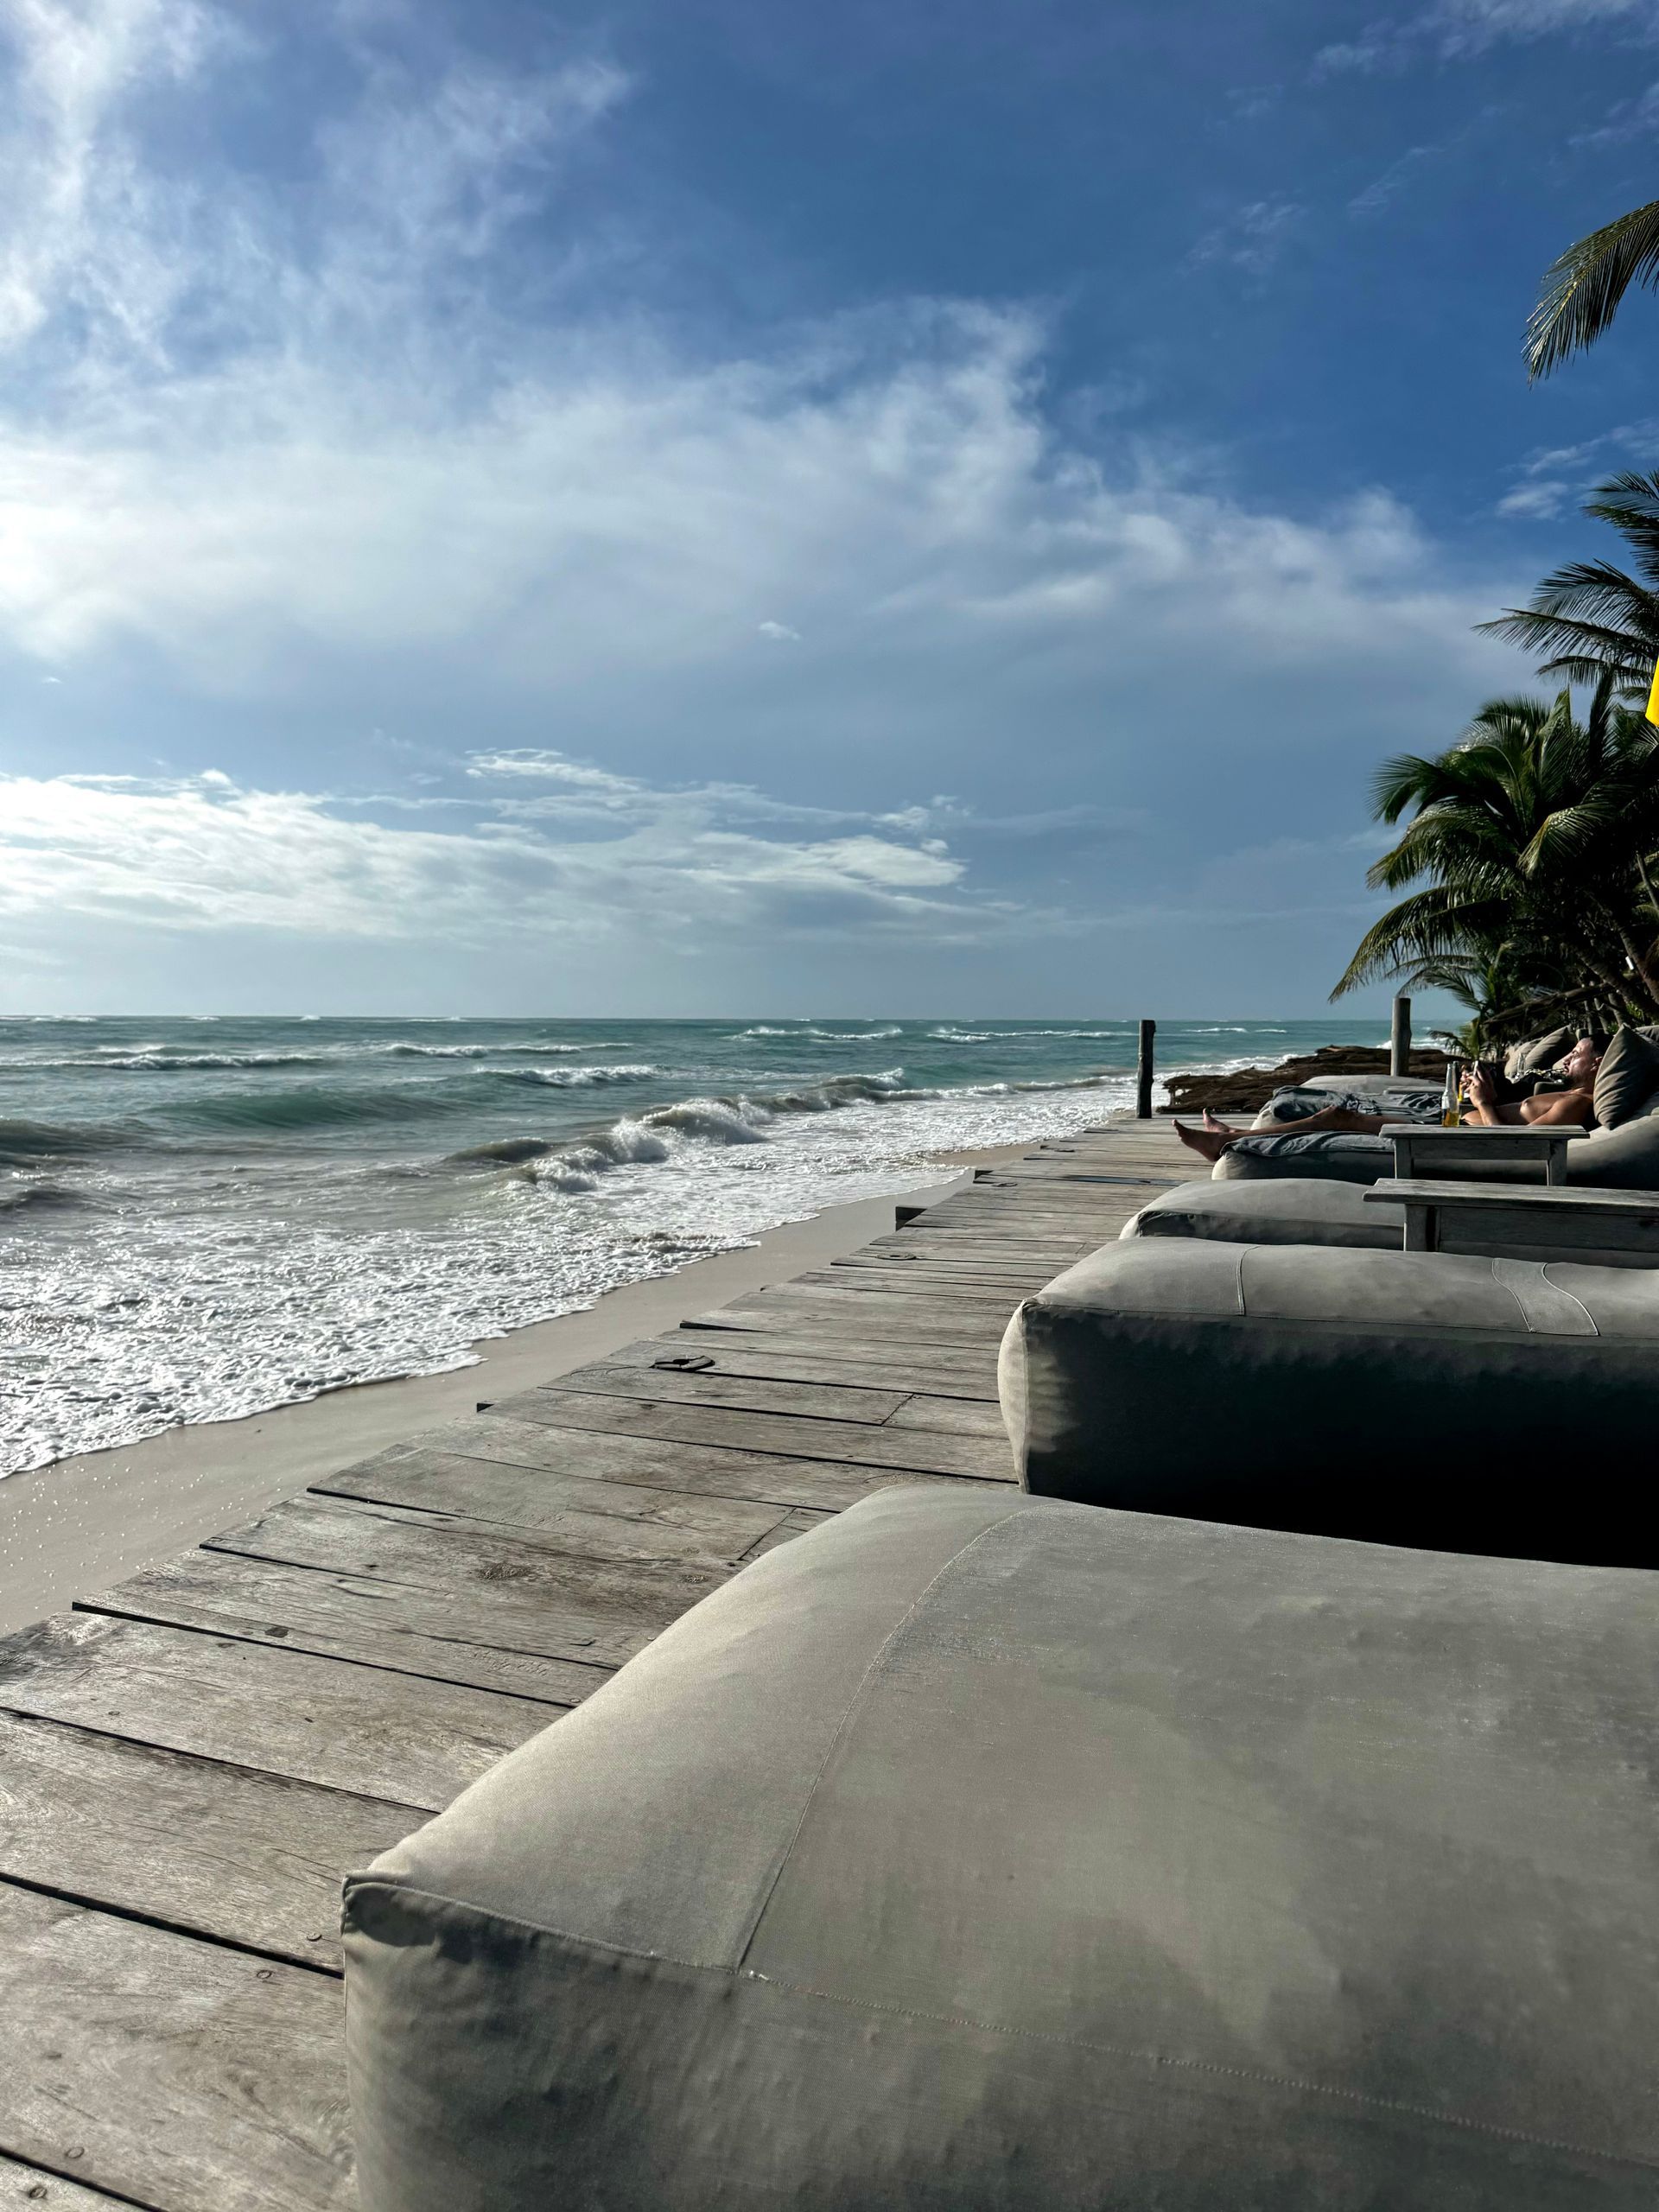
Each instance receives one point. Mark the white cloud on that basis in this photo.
(321, 456)
(201, 853)
(1538, 502)
(1558, 477)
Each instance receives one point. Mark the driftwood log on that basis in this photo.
(1244, 1090)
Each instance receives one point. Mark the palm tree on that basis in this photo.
(1500, 1004)
(1583, 289)
(1591, 617)
(1534, 832)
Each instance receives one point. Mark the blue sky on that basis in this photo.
(726, 506)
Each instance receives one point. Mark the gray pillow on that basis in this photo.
(1627, 1078)
(1534, 1054)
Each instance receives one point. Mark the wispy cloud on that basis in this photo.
(1555, 478)
(1253, 237)
(1383, 190)
(1459, 29)
(1625, 120)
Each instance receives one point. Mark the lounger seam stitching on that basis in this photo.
(876, 1657)
(1562, 1291)
(1520, 1303)
(1360, 2097)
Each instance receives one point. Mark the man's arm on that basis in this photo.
(1574, 1106)
(1485, 1112)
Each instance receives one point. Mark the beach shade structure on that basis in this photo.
(1474, 1404)
(979, 1853)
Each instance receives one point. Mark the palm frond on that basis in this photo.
(1584, 287)
(1629, 501)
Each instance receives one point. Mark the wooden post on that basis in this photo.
(1143, 1074)
(1400, 1042)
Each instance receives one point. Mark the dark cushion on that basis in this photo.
(1282, 1385)
(977, 1853)
(1534, 1054)
(1628, 1079)
(1353, 1158)
(1400, 1103)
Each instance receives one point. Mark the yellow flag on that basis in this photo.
(1653, 696)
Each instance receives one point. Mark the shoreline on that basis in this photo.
(77, 1525)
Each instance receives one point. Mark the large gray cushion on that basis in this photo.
(1286, 1211)
(977, 1853)
(1625, 1159)
(1627, 1081)
(1305, 1209)
(1293, 1388)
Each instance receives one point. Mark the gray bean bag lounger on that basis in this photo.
(976, 1853)
(1306, 1210)
(1474, 1405)
(1288, 1209)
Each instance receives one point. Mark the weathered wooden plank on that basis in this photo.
(496, 1641)
(1090, 1224)
(896, 1270)
(31, 2189)
(222, 1851)
(942, 1369)
(959, 1416)
(920, 1451)
(677, 1386)
(857, 1321)
(801, 1400)
(170, 2072)
(622, 1603)
(383, 1735)
(958, 1247)
(449, 1471)
(915, 1305)
(868, 1283)
(507, 1460)
(793, 1525)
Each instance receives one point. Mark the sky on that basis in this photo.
(715, 506)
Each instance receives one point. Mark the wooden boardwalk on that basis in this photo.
(190, 1761)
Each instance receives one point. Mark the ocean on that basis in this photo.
(208, 1217)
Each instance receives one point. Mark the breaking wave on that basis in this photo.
(157, 1059)
(655, 1136)
(809, 1029)
(578, 1078)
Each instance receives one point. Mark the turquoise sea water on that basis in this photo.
(202, 1219)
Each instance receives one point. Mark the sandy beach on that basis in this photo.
(74, 1528)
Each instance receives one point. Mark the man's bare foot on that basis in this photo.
(1215, 1126)
(1209, 1143)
